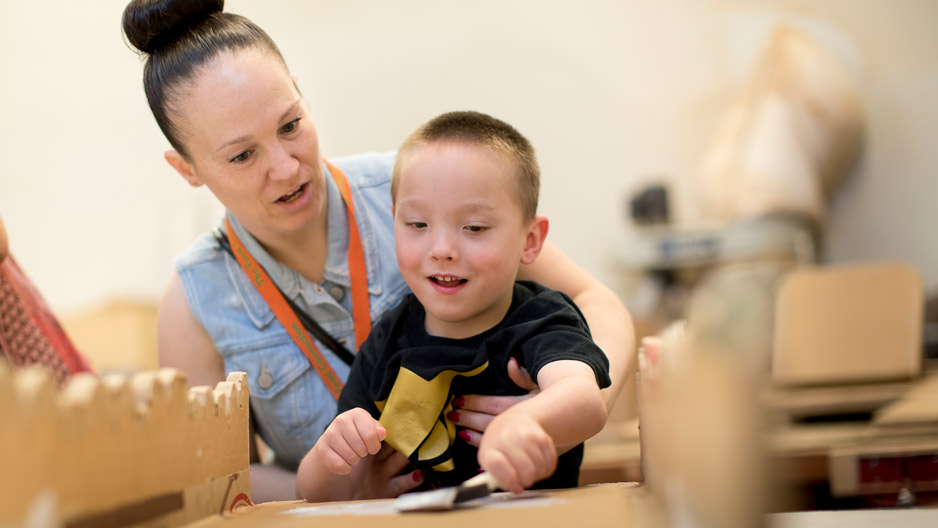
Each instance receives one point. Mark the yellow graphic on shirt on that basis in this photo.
(414, 414)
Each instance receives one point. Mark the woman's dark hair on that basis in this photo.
(179, 36)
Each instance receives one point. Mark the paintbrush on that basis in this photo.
(446, 498)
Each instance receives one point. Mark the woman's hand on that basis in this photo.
(386, 480)
(475, 412)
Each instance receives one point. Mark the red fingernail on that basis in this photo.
(417, 475)
(459, 402)
(453, 416)
(464, 435)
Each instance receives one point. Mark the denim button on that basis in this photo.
(337, 293)
(264, 379)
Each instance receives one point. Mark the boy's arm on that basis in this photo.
(520, 446)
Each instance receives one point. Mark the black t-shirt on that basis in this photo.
(407, 378)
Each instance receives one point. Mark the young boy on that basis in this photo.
(464, 193)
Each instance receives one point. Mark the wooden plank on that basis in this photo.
(601, 506)
(919, 406)
(906, 518)
(802, 402)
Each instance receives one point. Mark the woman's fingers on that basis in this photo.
(404, 483)
(475, 411)
(520, 376)
(387, 481)
(389, 461)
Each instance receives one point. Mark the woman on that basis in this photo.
(319, 233)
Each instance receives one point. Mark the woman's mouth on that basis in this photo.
(293, 195)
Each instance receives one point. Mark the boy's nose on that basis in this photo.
(442, 248)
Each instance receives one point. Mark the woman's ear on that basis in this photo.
(534, 240)
(183, 167)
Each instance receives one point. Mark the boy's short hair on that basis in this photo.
(481, 130)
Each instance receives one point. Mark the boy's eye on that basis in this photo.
(476, 228)
(291, 126)
(240, 158)
(417, 225)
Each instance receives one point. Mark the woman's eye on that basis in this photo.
(291, 126)
(240, 158)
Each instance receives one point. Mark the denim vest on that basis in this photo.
(291, 404)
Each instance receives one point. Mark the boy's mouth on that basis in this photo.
(447, 280)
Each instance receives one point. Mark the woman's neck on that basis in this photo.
(304, 251)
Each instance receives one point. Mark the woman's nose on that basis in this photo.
(284, 165)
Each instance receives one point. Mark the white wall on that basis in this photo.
(611, 93)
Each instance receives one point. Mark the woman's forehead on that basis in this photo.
(236, 89)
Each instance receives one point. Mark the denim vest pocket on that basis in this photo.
(285, 403)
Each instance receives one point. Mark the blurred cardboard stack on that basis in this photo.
(118, 337)
(845, 341)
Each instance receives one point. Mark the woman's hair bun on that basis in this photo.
(152, 24)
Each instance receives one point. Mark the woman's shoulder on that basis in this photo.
(370, 169)
(204, 250)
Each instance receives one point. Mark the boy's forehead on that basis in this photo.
(446, 153)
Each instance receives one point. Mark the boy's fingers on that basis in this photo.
(549, 452)
(498, 464)
(370, 434)
(336, 462)
(355, 443)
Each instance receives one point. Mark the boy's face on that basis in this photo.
(460, 235)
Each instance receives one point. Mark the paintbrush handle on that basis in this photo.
(485, 478)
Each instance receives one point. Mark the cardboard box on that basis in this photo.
(848, 323)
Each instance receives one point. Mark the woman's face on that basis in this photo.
(251, 141)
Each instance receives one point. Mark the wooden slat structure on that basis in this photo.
(119, 451)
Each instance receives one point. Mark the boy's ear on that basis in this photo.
(534, 240)
(183, 167)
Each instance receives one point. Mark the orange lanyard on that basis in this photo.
(358, 275)
(359, 280)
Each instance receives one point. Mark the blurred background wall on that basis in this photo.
(612, 93)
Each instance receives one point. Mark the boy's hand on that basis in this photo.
(352, 436)
(517, 452)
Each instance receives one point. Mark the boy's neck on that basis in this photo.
(470, 326)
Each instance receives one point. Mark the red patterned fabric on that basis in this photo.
(29, 332)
